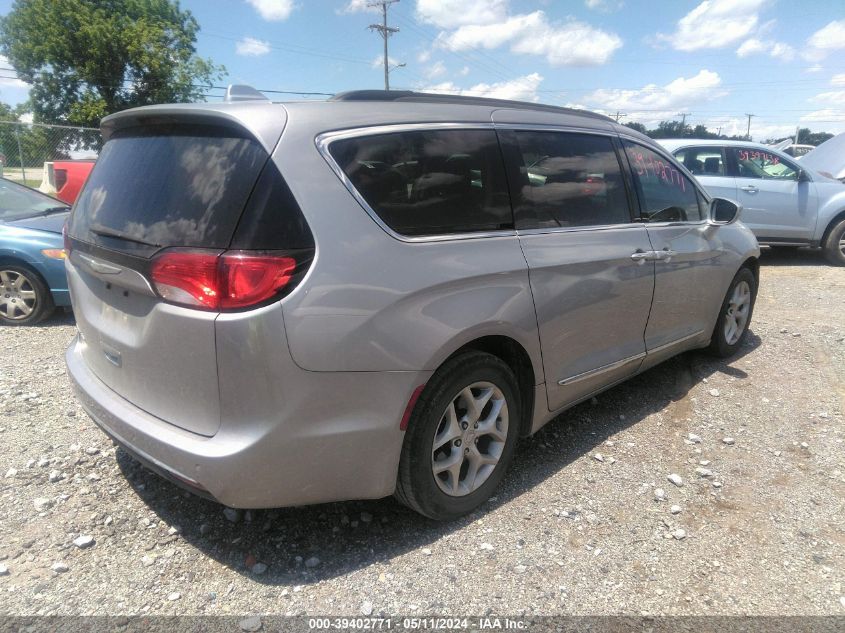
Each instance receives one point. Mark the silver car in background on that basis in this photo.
(785, 202)
(285, 304)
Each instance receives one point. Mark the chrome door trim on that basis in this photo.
(578, 229)
(683, 339)
(601, 370)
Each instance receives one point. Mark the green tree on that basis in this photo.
(88, 58)
(639, 127)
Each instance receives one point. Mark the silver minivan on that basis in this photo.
(293, 303)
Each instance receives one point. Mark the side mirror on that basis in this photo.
(724, 211)
(803, 176)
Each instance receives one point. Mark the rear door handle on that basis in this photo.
(641, 257)
(750, 189)
(665, 255)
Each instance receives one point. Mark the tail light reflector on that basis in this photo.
(220, 281)
(60, 178)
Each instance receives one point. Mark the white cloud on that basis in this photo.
(273, 10)
(8, 81)
(815, 68)
(654, 103)
(463, 72)
(570, 43)
(378, 62)
(450, 14)
(826, 115)
(777, 50)
(423, 56)
(605, 6)
(252, 47)
(358, 6)
(827, 120)
(833, 98)
(520, 89)
(715, 24)
(437, 69)
(838, 80)
(826, 40)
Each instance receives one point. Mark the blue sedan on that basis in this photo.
(32, 267)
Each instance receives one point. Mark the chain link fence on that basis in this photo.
(26, 149)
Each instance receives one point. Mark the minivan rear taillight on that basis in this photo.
(212, 280)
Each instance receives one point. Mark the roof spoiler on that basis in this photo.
(241, 92)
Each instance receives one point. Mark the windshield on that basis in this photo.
(18, 202)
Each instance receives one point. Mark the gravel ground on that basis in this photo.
(587, 521)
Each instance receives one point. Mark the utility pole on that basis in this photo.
(683, 116)
(386, 32)
(748, 129)
(619, 115)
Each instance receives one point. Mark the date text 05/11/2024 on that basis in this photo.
(416, 623)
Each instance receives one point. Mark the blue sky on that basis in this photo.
(783, 61)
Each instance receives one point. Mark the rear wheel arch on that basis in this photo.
(515, 356)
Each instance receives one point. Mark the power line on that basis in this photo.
(385, 31)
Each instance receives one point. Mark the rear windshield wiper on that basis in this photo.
(104, 231)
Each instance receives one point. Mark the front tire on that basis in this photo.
(734, 315)
(24, 297)
(460, 438)
(834, 245)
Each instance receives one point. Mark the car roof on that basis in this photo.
(674, 143)
(264, 119)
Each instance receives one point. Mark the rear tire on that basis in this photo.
(734, 315)
(834, 245)
(461, 437)
(24, 297)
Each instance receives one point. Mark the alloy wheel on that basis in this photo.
(470, 439)
(736, 316)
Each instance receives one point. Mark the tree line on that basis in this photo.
(678, 129)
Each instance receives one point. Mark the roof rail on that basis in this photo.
(409, 96)
(241, 92)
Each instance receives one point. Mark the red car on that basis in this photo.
(64, 178)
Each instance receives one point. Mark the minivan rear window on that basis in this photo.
(168, 186)
(430, 182)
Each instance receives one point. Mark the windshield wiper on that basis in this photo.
(51, 211)
(104, 231)
(41, 214)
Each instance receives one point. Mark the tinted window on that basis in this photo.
(703, 161)
(568, 180)
(430, 182)
(666, 195)
(272, 219)
(177, 186)
(758, 163)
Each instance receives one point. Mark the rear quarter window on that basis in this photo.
(429, 182)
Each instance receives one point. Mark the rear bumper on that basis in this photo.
(338, 453)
